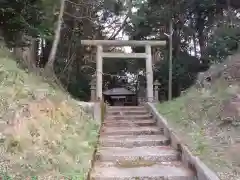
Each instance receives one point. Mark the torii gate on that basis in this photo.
(147, 56)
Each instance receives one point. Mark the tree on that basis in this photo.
(198, 35)
(52, 55)
(203, 34)
(19, 18)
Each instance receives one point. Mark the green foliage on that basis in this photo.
(225, 42)
(185, 68)
(193, 22)
(19, 18)
(115, 6)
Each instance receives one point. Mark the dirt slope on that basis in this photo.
(43, 132)
(207, 117)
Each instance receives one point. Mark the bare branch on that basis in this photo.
(78, 17)
(79, 4)
(68, 63)
(114, 35)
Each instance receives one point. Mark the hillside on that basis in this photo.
(207, 118)
(44, 133)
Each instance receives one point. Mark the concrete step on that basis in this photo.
(129, 123)
(129, 120)
(128, 117)
(133, 141)
(131, 146)
(127, 112)
(119, 163)
(124, 108)
(149, 171)
(150, 154)
(145, 130)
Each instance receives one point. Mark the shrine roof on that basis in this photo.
(118, 91)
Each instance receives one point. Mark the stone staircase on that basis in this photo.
(131, 146)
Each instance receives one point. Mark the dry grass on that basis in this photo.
(198, 119)
(43, 132)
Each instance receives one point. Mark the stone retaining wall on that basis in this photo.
(92, 108)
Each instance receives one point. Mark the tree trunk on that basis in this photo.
(28, 54)
(229, 14)
(194, 37)
(195, 44)
(177, 43)
(46, 49)
(49, 68)
(51, 58)
(201, 40)
(170, 60)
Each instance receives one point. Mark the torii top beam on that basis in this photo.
(123, 42)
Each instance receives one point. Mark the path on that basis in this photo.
(132, 147)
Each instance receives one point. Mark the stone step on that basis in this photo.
(145, 130)
(133, 141)
(128, 117)
(131, 146)
(119, 163)
(123, 108)
(127, 112)
(148, 154)
(129, 123)
(129, 120)
(149, 171)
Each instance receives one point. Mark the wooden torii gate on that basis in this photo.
(147, 56)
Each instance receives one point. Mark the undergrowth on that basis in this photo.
(44, 134)
(196, 117)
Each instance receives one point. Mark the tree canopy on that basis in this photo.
(204, 32)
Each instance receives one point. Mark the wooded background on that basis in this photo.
(46, 35)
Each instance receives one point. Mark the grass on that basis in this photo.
(197, 119)
(44, 133)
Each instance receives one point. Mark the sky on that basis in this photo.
(121, 35)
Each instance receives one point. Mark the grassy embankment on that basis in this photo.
(44, 132)
(207, 120)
